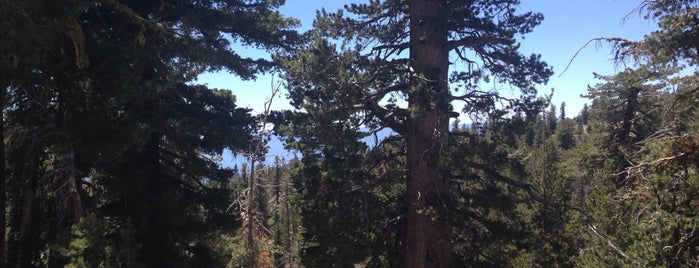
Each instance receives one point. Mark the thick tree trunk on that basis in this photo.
(427, 240)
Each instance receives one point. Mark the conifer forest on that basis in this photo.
(406, 155)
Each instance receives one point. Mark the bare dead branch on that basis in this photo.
(609, 242)
(636, 168)
(598, 39)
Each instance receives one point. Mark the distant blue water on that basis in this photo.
(276, 149)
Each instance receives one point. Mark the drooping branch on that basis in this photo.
(477, 94)
(528, 188)
(393, 117)
(396, 66)
(532, 194)
(381, 93)
(458, 5)
(663, 160)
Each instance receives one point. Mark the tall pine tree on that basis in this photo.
(387, 65)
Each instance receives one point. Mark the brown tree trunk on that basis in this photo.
(629, 114)
(251, 249)
(427, 240)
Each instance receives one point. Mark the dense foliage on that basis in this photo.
(111, 153)
(110, 150)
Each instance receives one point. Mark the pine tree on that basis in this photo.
(105, 132)
(665, 161)
(399, 52)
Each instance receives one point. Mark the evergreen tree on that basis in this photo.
(105, 132)
(626, 206)
(284, 219)
(563, 112)
(566, 133)
(513, 211)
(640, 183)
(399, 52)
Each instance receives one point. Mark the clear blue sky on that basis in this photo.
(567, 26)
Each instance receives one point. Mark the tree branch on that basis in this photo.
(598, 39)
(526, 187)
(473, 41)
(609, 242)
(390, 117)
(632, 169)
(530, 191)
(399, 47)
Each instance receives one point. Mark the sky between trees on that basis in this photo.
(111, 152)
(567, 27)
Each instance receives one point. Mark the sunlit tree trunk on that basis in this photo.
(426, 241)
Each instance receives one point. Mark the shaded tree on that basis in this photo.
(102, 121)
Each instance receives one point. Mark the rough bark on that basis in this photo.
(426, 242)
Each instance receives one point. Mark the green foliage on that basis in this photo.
(348, 207)
(101, 242)
(513, 211)
(366, 69)
(110, 152)
(639, 151)
(565, 133)
(277, 223)
(104, 126)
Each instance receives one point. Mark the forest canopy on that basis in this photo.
(112, 151)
